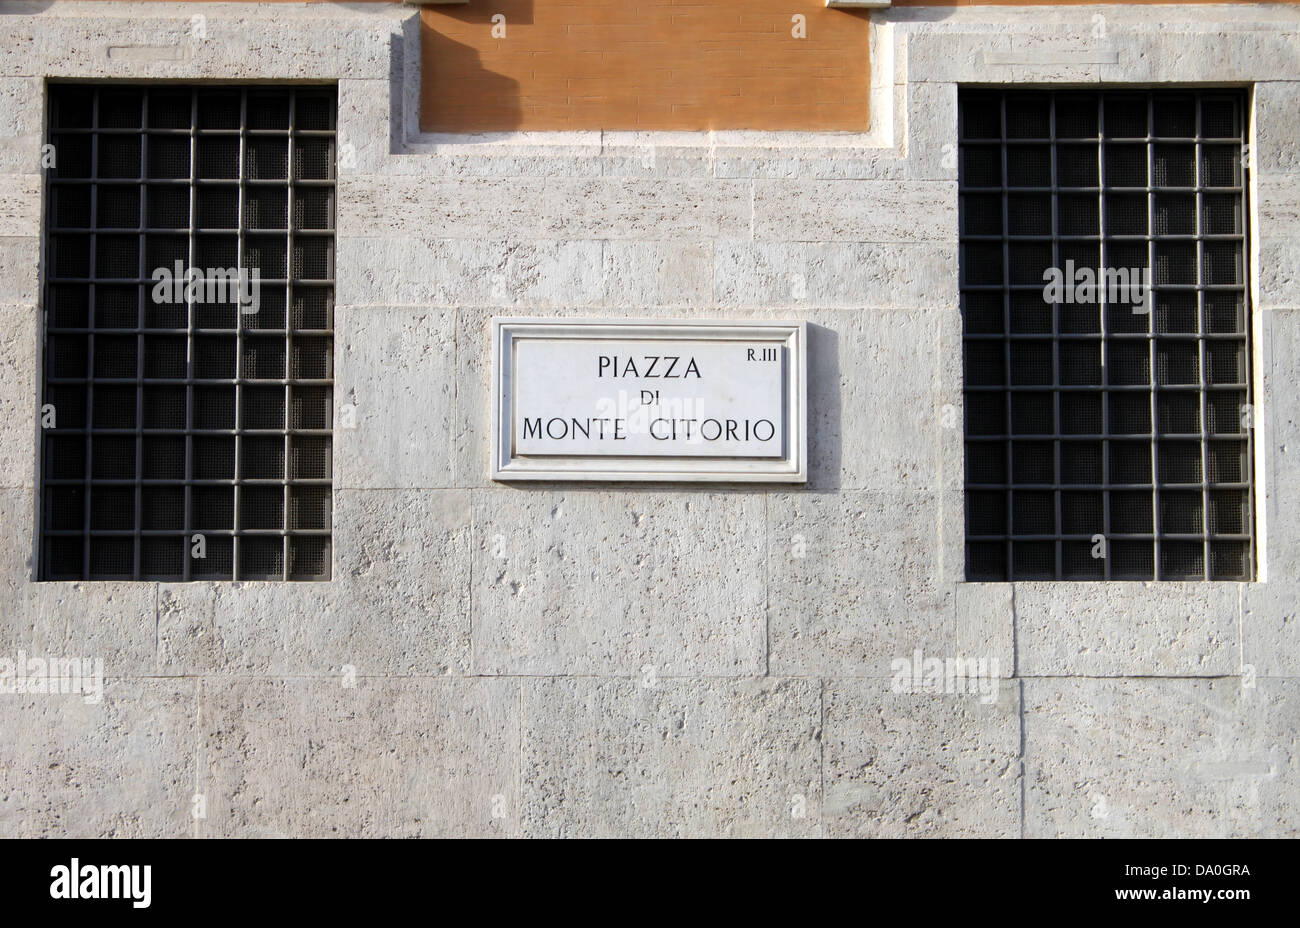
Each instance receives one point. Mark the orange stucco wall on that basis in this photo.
(644, 64)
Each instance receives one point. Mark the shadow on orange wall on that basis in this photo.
(484, 101)
(648, 65)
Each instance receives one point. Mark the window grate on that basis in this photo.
(1103, 442)
(190, 436)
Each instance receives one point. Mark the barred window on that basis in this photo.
(188, 341)
(1106, 336)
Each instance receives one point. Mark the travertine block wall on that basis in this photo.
(654, 660)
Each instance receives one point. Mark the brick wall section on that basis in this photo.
(644, 64)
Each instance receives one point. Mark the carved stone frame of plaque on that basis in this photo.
(742, 417)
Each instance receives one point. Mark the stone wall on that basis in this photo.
(654, 660)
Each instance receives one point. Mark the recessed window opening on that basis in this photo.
(1106, 327)
(187, 391)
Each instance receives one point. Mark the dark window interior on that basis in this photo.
(1085, 418)
(191, 434)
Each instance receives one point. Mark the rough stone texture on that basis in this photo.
(592, 582)
(515, 207)
(1160, 758)
(499, 274)
(21, 119)
(932, 131)
(951, 441)
(399, 757)
(1279, 279)
(148, 40)
(16, 545)
(651, 154)
(19, 345)
(1270, 628)
(1277, 112)
(854, 211)
(110, 620)
(851, 583)
(1279, 430)
(531, 155)
(20, 204)
(394, 380)
(19, 271)
(1178, 56)
(677, 758)
(985, 616)
(946, 58)
(812, 161)
(1277, 201)
(367, 133)
(667, 273)
(122, 768)
(874, 418)
(475, 208)
(654, 659)
(834, 275)
(1278, 205)
(1121, 628)
(902, 765)
(640, 209)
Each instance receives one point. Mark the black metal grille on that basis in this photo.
(1104, 442)
(190, 438)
